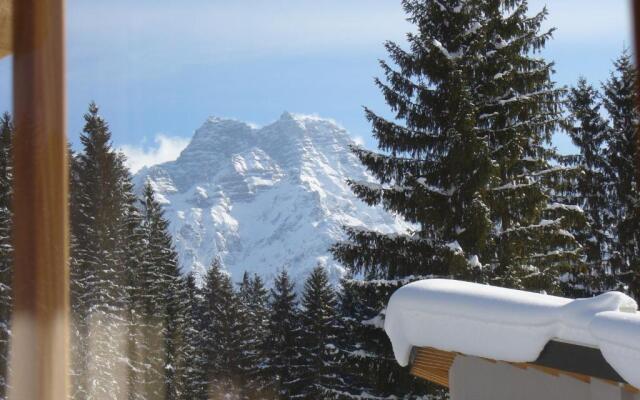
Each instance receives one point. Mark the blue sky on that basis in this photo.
(158, 68)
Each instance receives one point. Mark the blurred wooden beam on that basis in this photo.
(39, 352)
(5, 27)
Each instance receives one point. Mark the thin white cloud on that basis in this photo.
(165, 148)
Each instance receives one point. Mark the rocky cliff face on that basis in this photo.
(264, 199)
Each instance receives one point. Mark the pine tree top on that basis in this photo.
(96, 131)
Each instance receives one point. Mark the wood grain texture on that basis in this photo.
(434, 365)
(39, 353)
(6, 23)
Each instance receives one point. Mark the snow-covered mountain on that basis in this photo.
(265, 198)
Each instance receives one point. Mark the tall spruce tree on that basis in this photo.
(466, 160)
(138, 325)
(283, 356)
(194, 382)
(6, 247)
(221, 334)
(318, 338)
(245, 334)
(164, 301)
(355, 330)
(177, 349)
(254, 318)
(588, 131)
(619, 100)
(366, 366)
(260, 325)
(101, 192)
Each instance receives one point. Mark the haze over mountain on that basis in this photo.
(264, 198)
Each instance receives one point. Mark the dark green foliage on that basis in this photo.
(141, 380)
(317, 370)
(620, 102)
(254, 317)
(141, 330)
(101, 195)
(466, 159)
(128, 298)
(587, 130)
(361, 370)
(604, 127)
(283, 356)
(221, 334)
(194, 382)
(163, 298)
(247, 354)
(6, 247)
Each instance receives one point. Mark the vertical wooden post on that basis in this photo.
(39, 351)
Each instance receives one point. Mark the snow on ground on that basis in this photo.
(511, 325)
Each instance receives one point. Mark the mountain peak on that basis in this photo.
(286, 116)
(215, 129)
(262, 198)
(214, 121)
(216, 137)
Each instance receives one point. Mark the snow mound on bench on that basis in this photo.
(511, 325)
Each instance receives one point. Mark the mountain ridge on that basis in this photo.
(264, 198)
